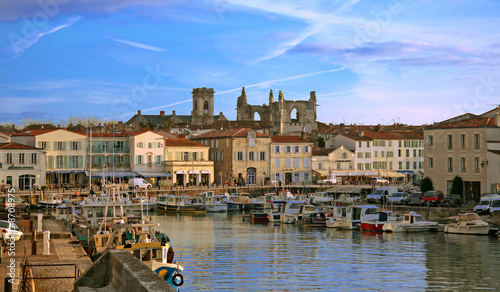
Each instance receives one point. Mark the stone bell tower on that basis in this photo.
(203, 106)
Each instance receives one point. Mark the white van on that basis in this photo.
(484, 204)
(376, 195)
(136, 183)
(495, 204)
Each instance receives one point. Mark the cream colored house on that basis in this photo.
(65, 154)
(238, 154)
(466, 146)
(188, 162)
(328, 161)
(291, 161)
(22, 167)
(387, 153)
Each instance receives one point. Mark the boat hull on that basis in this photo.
(217, 208)
(259, 218)
(410, 227)
(473, 229)
(374, 227)
(193, 209)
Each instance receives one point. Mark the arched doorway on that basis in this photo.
(288, 178)
(251, 175)
(26, 182)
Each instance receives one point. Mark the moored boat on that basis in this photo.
(468, 223)
(176, 204)
(412, 222)
(377, 224)
(353, 216)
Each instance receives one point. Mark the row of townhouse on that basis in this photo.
(392, 154)
(243, 154)
(59, 157)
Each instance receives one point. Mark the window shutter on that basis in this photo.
(70, 162)
(64, 146)
(137, 160)
(80, 161)
(51, 162)
(79, 145)
(55, 145)
(244, 155)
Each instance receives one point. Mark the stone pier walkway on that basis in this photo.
(63, 250)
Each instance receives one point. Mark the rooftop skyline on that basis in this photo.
(413, 62)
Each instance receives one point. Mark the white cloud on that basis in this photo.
(137, 45)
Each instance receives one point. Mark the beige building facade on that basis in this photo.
(465, 146)
(238, 155)
(188, 162)
(291, 161)
(22, 167)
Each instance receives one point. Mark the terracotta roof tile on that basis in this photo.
(10, 146)
(468, 123)
(227, 134)
(177, 142)
(36, 132)
(369, 135)
(288, 139)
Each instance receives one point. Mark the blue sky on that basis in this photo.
(370, 62)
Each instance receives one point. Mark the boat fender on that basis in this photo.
(174, 279)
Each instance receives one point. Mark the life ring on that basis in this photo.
(174, 277)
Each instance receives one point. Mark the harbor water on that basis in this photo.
(226, 252)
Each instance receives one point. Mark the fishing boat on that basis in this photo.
(213, 202)
(468, 223)
(377, 224)
(142, 241)
(353, 216)
(309, 215)
(412, 222)
(289, 211)
(177, 204)
(51, 201)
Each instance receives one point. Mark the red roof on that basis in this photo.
(469, 123)
(288, 139)
(16, 146)
(227, 134)
(178, 142)
(118, 134)
(368, 135)
(36, 132)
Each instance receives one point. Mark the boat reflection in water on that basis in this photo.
(226, 253)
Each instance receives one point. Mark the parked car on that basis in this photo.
(379, 180)
(414, 199)
(376, 195)
(397, 198)
(20, 204)
(9, 229)
(434, 197)
(452, 200)
(495, 204)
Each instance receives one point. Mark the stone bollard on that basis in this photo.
(7, 285)
(31, 225)
(39, 227)
(46, 238)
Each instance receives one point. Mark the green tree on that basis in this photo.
(457, 186)
(426, 185)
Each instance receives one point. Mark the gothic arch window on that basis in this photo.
(294, 115)
(195, 105)
(205, 108)
(256, 116)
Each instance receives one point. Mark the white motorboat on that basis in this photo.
(412, 222)
(468, 223)
(213, 202)
(51, 201)
(353, 216)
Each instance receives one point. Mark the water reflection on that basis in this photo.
(222, 252)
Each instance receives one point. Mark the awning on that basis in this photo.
(323, 172)
(194, 171)
(391, 174)
(406, 171)
(65, 171)
(354, 174)
(206, 171)
(154, 174)
(110, 173)
(370, 174)
(180, 172)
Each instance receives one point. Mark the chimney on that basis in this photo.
(173, 113)
(361, 133)
(162, 113)
(497, 118)
(303, 136)
(138, 112)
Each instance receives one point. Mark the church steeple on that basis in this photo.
(271, 97)
(242, 99)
